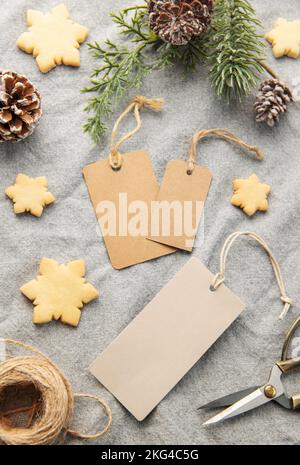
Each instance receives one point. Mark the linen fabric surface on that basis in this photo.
(68, 230)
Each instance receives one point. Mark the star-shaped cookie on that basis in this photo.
(30, 194)
(285, 38)
(59, 292)
(53, 38)
(250, 195)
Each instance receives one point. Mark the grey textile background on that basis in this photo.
(68, 230)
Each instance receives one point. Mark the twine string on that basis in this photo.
(222, 134)
(107, 412)
(220, 276)
(139, 102)
(54, 411)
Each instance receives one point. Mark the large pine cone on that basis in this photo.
(272, 100)
(179, 21)
(20, 106)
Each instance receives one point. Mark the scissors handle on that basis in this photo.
(288, 364)
(287, 342)
(295, 401)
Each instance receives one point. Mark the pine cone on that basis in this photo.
(20, 106)
(179, 21)
(273, 99)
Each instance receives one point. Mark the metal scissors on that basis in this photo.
(273, 390)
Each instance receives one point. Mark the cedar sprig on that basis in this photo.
(237, 49)
(187, 56)
(123, 67)
(135, 26)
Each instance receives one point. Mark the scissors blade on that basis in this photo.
(285, 402)
(250, 402)
(229, 399)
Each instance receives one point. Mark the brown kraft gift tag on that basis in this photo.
(121, 189)
(180, 202)
(135, 182)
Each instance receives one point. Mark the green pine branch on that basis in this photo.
(237, 49)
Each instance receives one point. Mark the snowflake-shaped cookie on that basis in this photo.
(30, 194)
(250, 195)
(53, 38)
(285, 38)
(59, 292)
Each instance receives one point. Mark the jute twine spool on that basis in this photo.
(54, 412)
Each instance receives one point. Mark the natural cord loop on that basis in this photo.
(115, 158)
(51, 416)
(220, 277)
(222, 134)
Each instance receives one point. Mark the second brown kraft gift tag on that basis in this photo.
(176, 215)
(121, 189)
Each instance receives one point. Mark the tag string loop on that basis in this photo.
(222, 134)
(220, 276)
(115, 158)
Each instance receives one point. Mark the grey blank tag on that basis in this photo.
(166, 339)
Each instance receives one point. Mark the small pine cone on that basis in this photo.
(273, 99)
(179, 21)
(20, 106)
